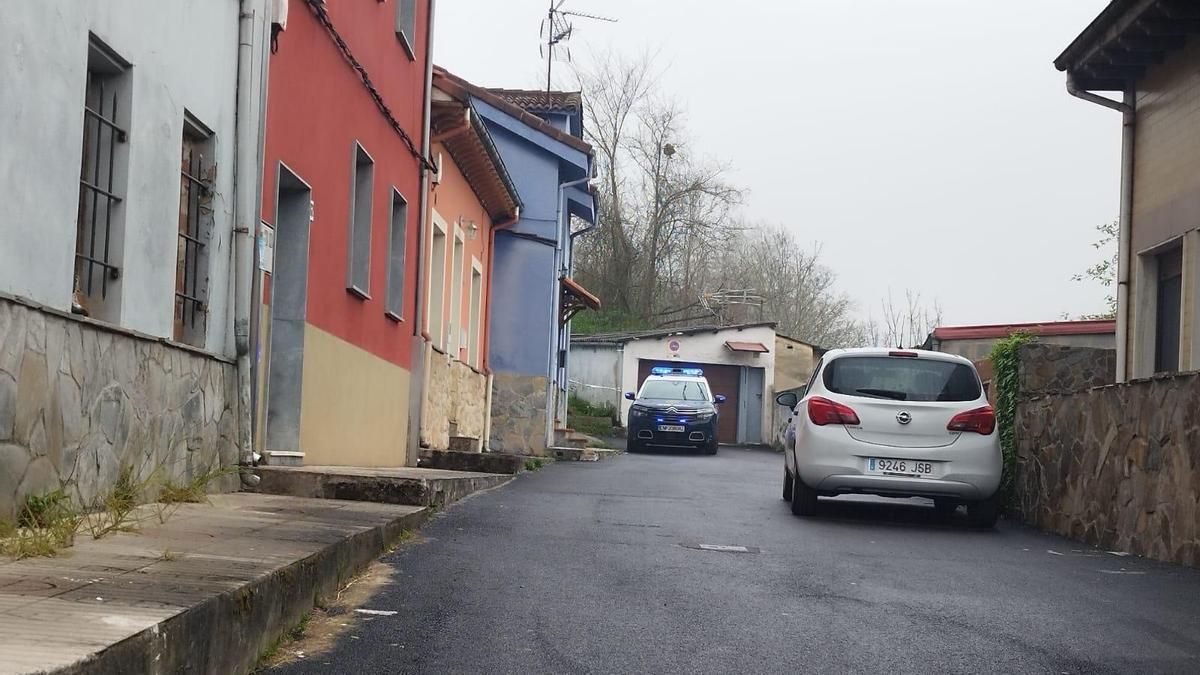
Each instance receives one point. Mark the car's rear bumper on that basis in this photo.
(830, 461)
(894, 486)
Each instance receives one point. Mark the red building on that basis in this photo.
(346, 106)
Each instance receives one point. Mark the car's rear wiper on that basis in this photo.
(884, 393)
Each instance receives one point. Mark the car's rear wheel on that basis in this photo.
(787, 484)
(984, 514)
(945, 507)
(804, 498)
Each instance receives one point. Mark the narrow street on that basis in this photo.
(585, 568)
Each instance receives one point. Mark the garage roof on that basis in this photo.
(629, 336)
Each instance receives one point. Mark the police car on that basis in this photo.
(675, 408)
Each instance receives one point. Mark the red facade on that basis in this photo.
(318, 107)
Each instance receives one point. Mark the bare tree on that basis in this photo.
(906, 325)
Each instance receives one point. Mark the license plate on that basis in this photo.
(907, 467)
(670, 427)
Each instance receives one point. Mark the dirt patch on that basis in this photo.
(336, 617)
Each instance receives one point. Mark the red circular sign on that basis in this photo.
(673, 345)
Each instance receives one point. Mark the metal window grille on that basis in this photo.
(94, 254)
(190, 279)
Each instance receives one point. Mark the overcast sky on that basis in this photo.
(926, 144)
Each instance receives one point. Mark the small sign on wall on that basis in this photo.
(266, 249)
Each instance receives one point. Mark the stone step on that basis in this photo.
(464, 444)
(283, 458)
(571, 454)
(406, 485)
(486, 462)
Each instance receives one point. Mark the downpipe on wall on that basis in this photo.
(247, 177)
(1128, 109)
(560, 269)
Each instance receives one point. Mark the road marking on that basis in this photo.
(1121, 571)
(726, 548)
(377, 612)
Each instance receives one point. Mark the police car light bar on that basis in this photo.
(663, 370)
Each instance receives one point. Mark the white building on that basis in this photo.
(738, 361)
(123, 224)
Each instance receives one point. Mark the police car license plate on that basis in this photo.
(670, 427)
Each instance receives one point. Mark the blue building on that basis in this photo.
(539, 139)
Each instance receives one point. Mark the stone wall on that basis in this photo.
(79, 401)
(455, 395)
(1116, 466)
(518, 414)
(1057, 369)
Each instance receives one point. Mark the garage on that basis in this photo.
(738, 362)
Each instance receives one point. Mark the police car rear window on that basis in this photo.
(675, 390)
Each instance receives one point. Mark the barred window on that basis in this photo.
(101, 184)
(195, 230)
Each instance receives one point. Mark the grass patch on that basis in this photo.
(194, 491)
(533, 464)
(46, 524)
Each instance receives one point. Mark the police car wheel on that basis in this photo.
(633, 446)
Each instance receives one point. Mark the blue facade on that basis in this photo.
(531, 256)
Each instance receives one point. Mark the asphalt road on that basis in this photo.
(595, 568)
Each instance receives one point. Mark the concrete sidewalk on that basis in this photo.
(205, 593)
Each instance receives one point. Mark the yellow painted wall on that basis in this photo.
(354, 406)
(793, 366)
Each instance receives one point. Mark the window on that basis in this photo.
(1167, 309)
(454, 333)
(675, 390)
(437, 284)
(359, 259)
(195, 229)
(474, 318)
(397, 233)
(902, 379)
(406, 25)
(101, 189)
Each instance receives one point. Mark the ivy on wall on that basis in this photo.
(1007, 386)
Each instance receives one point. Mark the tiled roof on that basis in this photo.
(532, 99)
(449, 81)
(1097, 327)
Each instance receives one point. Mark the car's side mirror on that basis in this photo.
(718, 399)
(788, 399)
(629, 395)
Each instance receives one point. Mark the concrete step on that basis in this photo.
(413, 486)
(572, 454)
(464, 444)
(486, 462)
(283, 458)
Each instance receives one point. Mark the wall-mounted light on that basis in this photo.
(470, 227)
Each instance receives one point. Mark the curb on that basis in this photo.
(227, 633)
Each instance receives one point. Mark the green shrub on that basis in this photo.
(1005, 382)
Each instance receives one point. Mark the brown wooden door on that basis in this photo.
(724, 380)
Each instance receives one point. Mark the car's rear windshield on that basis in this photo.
(675, 390)
(902, 378)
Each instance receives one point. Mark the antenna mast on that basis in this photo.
(557, 28)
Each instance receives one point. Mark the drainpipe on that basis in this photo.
(247, 177)
(1128, 110)
(418, 388)
(423, 196)
(559, 271)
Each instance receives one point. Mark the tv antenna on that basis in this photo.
(557, 28)
(718, 303)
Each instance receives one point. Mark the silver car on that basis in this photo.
(896, 423)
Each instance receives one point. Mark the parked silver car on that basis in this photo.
(896, 423)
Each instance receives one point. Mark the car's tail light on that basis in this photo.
(980, 421)
(907, 355)
(822, 411)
